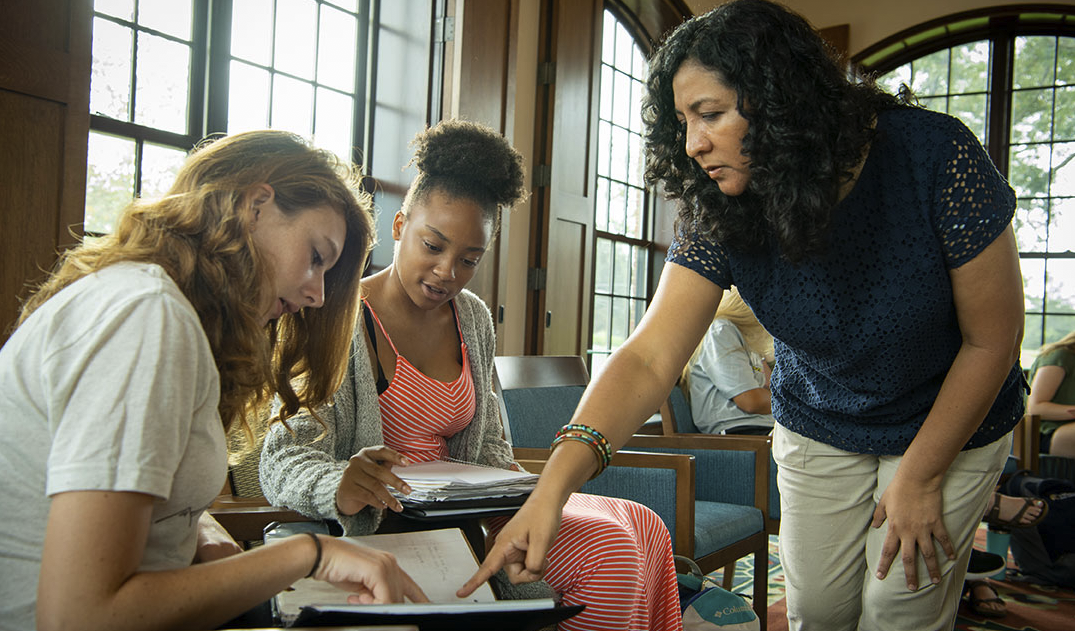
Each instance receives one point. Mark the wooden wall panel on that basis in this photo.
(44, 106)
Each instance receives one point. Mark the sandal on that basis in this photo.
(994, 520)
(975, 603)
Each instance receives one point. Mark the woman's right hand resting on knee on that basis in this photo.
(366, 480)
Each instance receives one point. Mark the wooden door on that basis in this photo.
(561, 317)
(44, 109)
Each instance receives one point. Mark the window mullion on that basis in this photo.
(998, 129)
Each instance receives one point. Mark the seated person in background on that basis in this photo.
(1052, 396)
(131, 362)
(728, 376)
(419, 388)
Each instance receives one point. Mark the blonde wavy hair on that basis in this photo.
(735, 310)
(1067, 342)
(200, 234)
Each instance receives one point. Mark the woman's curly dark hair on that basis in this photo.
(808, 125)
(467, 160)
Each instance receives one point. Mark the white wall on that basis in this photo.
(873, 20)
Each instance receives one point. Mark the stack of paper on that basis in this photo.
(441, 481)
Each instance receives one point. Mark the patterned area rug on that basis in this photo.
(1030, 607)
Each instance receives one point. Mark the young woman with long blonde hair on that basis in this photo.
(133, 360)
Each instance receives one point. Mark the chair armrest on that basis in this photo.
(630, 466)
(699, 444)
(245, 518)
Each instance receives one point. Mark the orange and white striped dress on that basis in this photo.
(611, 555)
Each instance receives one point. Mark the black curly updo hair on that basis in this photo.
(467, 160)
(809, 122)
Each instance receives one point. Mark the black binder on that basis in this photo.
(517, 619)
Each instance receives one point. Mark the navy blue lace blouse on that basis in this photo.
(866, 333)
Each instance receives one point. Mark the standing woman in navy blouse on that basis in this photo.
(873, 240)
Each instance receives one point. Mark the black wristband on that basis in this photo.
(317, 559)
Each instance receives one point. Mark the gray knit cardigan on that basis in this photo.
(302, 472)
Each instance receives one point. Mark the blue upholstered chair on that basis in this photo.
(724, 519)
(677, 418)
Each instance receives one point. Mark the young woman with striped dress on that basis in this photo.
(419, 388)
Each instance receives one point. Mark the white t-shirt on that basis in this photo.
(109, 385)
(725, 369)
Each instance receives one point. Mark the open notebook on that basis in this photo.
(440, 561)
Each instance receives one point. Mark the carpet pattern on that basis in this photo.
(1030, 607)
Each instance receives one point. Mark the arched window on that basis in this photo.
(1009, 74)
(623, 249)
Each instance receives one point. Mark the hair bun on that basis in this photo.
(473, 157)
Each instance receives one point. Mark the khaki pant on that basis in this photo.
(829, 551)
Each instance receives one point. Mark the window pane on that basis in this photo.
(641, 260)
(1030, 221)
(625, 45)
(1062, 225)
(1035, 61)
(1032, 119)
(109, 180)
(636, 160)
(1033, 283)
(621, 271)
(634, 212)
(604, 139)
(163, 77)
(1032, 338)
(1063, 170)
(930, 74)
(638, 309)
(618, 154)
(173, 17)
(621, 321)
(638, 65)
(1064, 128)
(617, 208)
(602, 269)
(605, 104)
(1065, 61)
(336, 53)
(608, 39)
(248, 98)
(332, 128)
(1029, 170)
(292, 105)
(601, 313)
(970, 68)
(971, 109)
(160, 165)
(123, 9)
(601, 208)
(891, 81)
(937, 103)
(1060, 286)
(296, 29)
(110, 78)
(1057, 326)
(621, 100)
(638, 89)
(251, 31)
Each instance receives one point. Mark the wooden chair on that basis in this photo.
(724, 521)
(1026, 442)
(1026, 446)
(245, 518)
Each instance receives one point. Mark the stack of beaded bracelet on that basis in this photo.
(594, 439)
